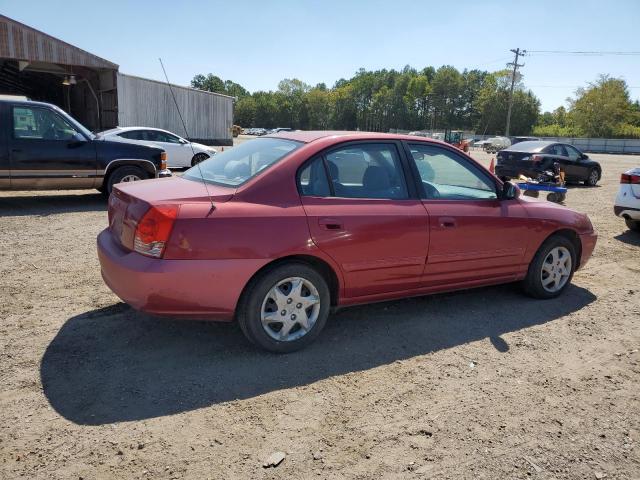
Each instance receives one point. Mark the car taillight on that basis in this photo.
(153, 230)
(163, 161)
(630, 178)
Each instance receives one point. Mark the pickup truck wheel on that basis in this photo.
(284, 309)
(551, 270)
(127, 173)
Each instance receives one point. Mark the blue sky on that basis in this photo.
(257, 43)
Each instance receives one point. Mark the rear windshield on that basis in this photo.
(239, 164)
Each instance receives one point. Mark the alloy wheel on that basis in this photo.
(556, 269)
(290, 309)
(130, 178)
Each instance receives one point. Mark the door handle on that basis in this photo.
(16, 150)
(330, 223)
(447, 222)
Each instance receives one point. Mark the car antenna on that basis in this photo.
(184, 126)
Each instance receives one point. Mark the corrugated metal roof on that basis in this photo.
(21, 42)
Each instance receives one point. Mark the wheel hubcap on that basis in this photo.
(130, 178)
(290, 309)
(594, 177)
(556, 269)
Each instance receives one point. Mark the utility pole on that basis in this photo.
(515, 66)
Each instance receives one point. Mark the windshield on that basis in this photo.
(239, 164)
(85, 131)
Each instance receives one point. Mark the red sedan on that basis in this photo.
(277, 231)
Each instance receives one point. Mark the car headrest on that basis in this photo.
(376, 178)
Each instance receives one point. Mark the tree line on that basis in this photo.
(472, 100)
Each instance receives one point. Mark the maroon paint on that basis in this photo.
(378, 249)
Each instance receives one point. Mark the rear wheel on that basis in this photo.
(129, 173)
(593, 178)
(551, 269)
(285, 308)
(632, 224)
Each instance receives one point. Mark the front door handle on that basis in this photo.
(447, 222)
(330, 223)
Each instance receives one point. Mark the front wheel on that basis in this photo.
(633, 225)
(593, 178)
(285, 308)
(551, 269)
(129, 173)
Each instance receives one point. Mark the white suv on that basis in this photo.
(627, 203)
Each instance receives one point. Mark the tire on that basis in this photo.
(259, 300)
(534, 285)
(198, 157)
(633, 225)
(553, 197)
(592, 178)
(128, 173)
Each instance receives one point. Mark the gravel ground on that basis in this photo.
(477, 384)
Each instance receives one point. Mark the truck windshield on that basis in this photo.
(238, 164)
(81, 128)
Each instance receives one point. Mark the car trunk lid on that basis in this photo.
(130, 201)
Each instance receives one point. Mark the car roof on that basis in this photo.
(18, 101)
(313, 135)
(530, 146)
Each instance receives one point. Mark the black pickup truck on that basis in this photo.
(43, 148)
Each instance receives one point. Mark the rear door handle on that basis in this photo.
(447, 222)
(330, 223)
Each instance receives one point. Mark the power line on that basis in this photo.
(515, 66)
(579, 52)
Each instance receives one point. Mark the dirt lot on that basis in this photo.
(477, 384)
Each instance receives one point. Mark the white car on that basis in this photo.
(180, 152)
(627, 203)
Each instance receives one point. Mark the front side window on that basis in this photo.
(572, 153)
(371, 170)
(42, 124)
(447, 176)
(235, 166)
(132, 135)
(557, 150)
(157, 136)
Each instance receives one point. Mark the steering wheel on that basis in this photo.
(430, 191)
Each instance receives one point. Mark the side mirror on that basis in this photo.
(584, 156)
(510, 191)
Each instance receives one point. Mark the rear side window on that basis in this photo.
(371, 170)
(313, 179)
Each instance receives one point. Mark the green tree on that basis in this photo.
(603, 108)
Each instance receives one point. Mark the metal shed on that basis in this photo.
(42, 67)
(208, 116)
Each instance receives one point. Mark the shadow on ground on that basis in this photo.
(19, 205)
(629, 237)
(114, 364)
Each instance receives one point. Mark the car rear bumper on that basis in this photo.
(207, 289)
(588, 241)
(627, 212)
